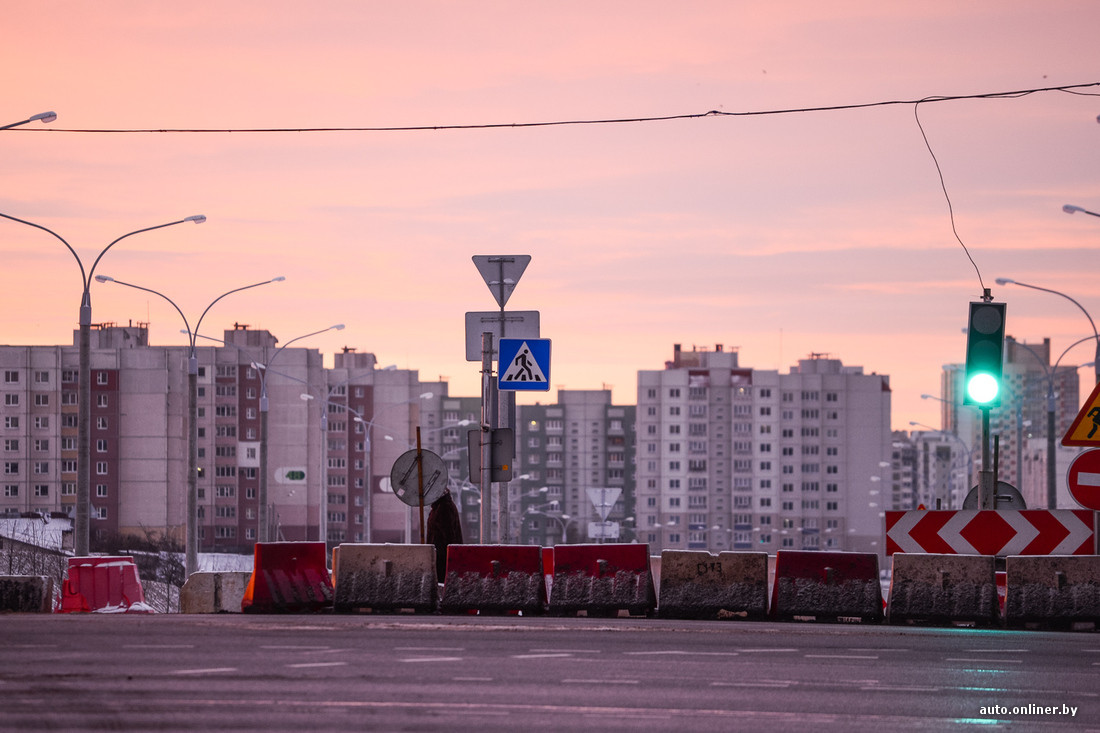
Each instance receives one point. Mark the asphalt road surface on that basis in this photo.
(465, 673)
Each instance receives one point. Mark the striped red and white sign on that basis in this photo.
(1001, 532)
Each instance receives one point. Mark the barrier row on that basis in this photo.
(614, 579)
(604, 580)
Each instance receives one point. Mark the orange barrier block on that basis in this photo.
(103, 585)
(288, 577)
(827, 586)
(494, 579)
(602, 580)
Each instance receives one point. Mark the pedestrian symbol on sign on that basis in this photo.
(524, 368)
(525, 364)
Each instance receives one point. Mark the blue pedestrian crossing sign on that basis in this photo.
(524, 364)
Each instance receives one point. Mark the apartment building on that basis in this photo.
(565, 453)
(331, 433)
(734, 458)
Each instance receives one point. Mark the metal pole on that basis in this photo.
(487, 420)
(986, 488)
(81, 533)
(1052, 486)
(420, 482)
(263, 533)
(192, 537)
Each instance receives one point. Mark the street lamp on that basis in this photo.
(83, 479)
(43, 116)
(367, 425)
(1095, 333)
(1071, 209)
(563, 519)
(1051, 372)
(191, 541)
(969, 459)
(263, 530)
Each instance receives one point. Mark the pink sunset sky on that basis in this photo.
(778, 235)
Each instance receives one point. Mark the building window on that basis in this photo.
(11, 445)
(101, 378)
(101, 468)
(101, 423)
(11, 468)
(101, 400)
(11, 400)
(11, 489)
(101, 490)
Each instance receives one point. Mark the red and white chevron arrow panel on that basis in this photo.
(992, 532)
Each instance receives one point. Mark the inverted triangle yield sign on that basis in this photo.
(501, 273)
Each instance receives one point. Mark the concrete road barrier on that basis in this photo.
(698, 584)
(943, 589)
(213, 592)
(826, 586)
(26, 594)
(383, 577)
(1056, 590)
(494, 579)
(602, 580)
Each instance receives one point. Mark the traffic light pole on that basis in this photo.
(986, 477)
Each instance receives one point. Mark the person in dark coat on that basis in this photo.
(444, 528)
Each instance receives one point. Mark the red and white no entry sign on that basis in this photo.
(1083, 478)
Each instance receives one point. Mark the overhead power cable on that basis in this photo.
(1069, 88)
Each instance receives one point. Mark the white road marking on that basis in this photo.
(209, 670)
(839, 656)
(316, 664)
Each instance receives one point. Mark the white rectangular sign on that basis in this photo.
(517, 324)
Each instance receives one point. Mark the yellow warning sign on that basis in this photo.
(1085, 430)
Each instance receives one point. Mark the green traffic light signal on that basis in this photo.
(985, 338)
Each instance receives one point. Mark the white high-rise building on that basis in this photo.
(737, 458)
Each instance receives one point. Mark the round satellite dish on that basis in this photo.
(405, 477)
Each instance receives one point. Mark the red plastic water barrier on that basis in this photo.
(103, 585)
(494, 579)
(602, 579)
(827, 586)
(288, 577)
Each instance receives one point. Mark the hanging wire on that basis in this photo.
(1069, 88)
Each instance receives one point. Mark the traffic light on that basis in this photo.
(985, 340)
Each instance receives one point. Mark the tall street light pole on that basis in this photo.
(1052, 450)
(191, 540)
(1095, 333)
(83, 479)
(263, 533)
(43, 116)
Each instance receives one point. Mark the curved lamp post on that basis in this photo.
(1071, 209)
(43, 116)
(191, 540)
(1095, 333)
(263, 532)
(965, 447)
(83, 479)
(1051, 372)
